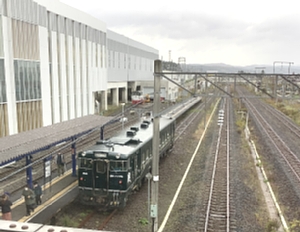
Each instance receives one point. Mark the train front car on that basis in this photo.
(110, 170)
(103, 176)
(137, 97)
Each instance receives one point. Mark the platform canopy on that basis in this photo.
(15, 147)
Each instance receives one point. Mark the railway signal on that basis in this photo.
(221, 117)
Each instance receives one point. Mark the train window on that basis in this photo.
(85, 163)
(118, 166)
(101, 166)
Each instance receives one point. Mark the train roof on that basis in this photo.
(127, 141)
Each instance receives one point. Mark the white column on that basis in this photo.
(63, 78)
(55, 82)
(84, 77)
(78, 101)
(45, 76)
(9, 75)
(104, 100)
(90, 78)
(115, 100)
(71, 87)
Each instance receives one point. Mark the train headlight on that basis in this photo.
(81, 178)
(120, 181)
(83, 153)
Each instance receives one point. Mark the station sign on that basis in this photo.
(47, 168)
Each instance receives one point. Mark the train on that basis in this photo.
(110, 170)
(137, 97)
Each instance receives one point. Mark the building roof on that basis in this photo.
(19, 145)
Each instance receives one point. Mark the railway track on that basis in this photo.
(278, 144)
(189, 119)
(295, 129)
(284, 152)
(209, 208)
(217, 215)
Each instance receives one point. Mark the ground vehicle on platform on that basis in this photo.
(110, 170)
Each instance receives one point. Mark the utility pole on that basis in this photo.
(155, 146)
(283, 62)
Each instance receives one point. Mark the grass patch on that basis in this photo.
(68, 221)
(272, 226)
(240, 123)
(295, 226)
(144, 221)
(289, 108)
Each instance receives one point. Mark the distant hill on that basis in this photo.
(225, 68)
(219, 67)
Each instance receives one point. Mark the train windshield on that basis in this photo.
(136, 93)
(85, 163)
(118, 165)
(101, 166)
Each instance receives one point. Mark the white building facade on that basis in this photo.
(129, 62)
(56, 65)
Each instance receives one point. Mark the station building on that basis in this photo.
(130, 64)
(58, 63)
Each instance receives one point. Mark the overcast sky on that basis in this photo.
(234, 32)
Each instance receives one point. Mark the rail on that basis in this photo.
(218, 213)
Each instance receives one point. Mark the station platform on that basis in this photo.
(52, 201)
(18, 146)
(57, 194)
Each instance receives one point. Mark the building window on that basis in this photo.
(2, 82)
(27, 80)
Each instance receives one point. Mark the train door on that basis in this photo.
(101, 174)
(139, 161)
(131, 168)
(134, 166)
